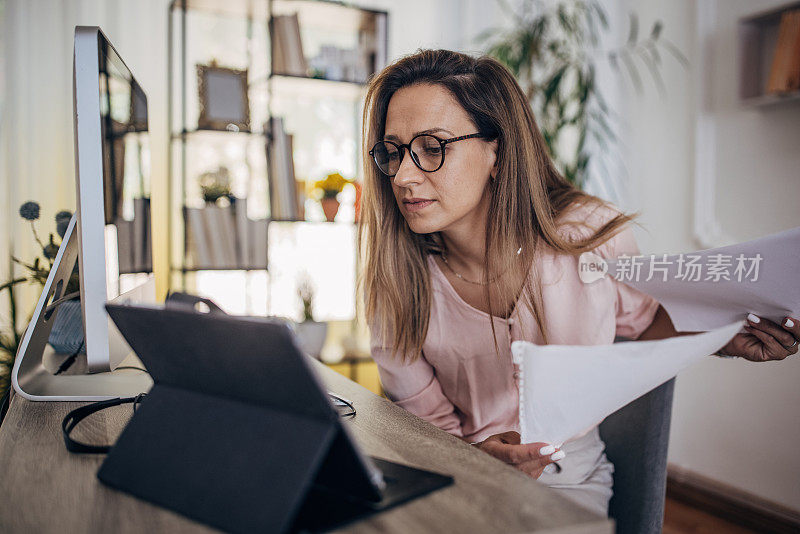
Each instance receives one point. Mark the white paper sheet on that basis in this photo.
(568, 389)
(760, 276)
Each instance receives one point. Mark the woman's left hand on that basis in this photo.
(765, 340)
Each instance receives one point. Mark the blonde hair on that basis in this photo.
(527, 199)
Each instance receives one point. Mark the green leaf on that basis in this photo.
(656, 31)
(601, 14)
(612, 59)
(552, 85)
(651, 47)
(672, 49)
(601, 101)
(601, 121)
(591, 24)
(486, 35)
(583, 160)
(506, 7)
(581, 139)
(546, 40)
(11, 283)
(633, 33)
(632, 72)
(562, 17)
(656, 74)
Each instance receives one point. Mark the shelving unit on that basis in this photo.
(322, 116)
(758, 39)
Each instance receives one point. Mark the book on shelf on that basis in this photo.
(282, 184)
(243, 246)
(209, 222)
(259, 241)
(276, 47)
(211, 238)
(784, 75)
(381, 52)
(296, 188)
(142, 246)
(125, 245)
(287, 46)
(225, 238)
(223, 234)
(198, 249)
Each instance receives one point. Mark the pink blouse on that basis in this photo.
(460, 385)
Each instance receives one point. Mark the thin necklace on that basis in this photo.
(458, 275)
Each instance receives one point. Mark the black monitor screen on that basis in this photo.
(126, 170)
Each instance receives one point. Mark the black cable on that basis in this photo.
(138, 399)
(69, 296)
(77, 415)
(66, 364)
(351, 413)
(133, 367)
(4, 404)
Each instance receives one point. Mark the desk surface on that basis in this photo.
(44, 488)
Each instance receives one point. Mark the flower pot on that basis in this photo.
(330, 206)
(311, 336)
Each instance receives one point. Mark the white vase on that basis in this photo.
(311, 336)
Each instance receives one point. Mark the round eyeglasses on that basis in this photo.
(427, 153)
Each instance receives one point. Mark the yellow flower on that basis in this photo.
(331, 185)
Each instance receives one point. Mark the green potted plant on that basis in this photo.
(310, 333)
(36, 272)
(553, 49)
(215, 185)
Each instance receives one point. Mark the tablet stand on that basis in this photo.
(246, 468)
(238, 432)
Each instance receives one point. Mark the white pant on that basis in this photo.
(586, 475)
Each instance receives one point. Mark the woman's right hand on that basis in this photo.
(530, 458)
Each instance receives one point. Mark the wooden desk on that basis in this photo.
(44, 488)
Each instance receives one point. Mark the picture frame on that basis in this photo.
(224, 102)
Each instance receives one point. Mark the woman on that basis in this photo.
(472, 242)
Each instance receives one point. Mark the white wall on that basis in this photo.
(733, 421)
(451, 24)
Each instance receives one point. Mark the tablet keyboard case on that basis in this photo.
(240, 459)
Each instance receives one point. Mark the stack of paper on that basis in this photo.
(710, 288)
(566, 390)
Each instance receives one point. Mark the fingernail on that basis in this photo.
(549, 469)
(547, 449)
(752, 318)
(558, 455)
(789, 323)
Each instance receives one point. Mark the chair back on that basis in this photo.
(636, 438)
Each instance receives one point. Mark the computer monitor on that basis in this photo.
(108, 240)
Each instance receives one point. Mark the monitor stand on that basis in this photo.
(33, 375)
